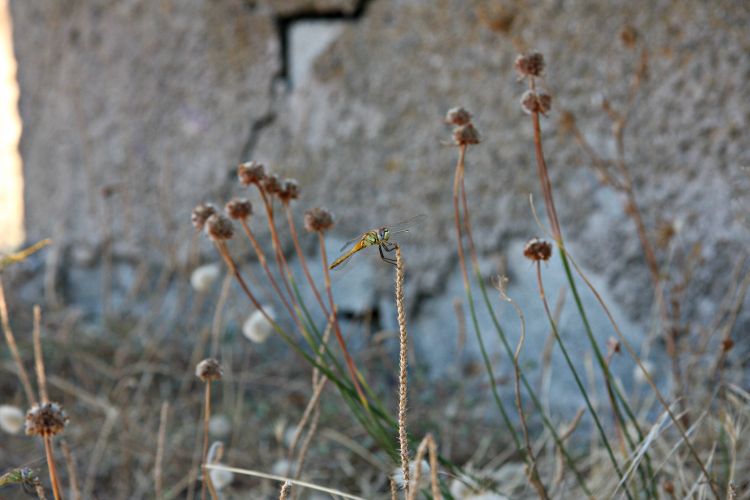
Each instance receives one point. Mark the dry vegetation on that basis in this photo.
(156, 419)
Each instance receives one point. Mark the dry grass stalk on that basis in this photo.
(302, 259)
(70, 464)
(45, 430)
(532, 473)
(13, 347)
(402, 374)
(160, 442)
(631, 351)
(264, 264)
(312, 407)
(427, 444)
(282, 479)
(285, 489)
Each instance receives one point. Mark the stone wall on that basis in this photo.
(134, 111)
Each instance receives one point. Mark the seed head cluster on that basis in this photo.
(537, 250)
(289, 190)
(239, 208)
(318, 220)
(46, 419)
(209, 370)
(272, 184)
(465, 133)
(219, 227)
(536, 102)
(458, 116)
(200, 215)
(529, 65)
(251, 172)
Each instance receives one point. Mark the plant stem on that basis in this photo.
(578, 381)
(457, 180)
(402, 373)
(206, 417)
(336, 328)
(302, 259)
(52, 468)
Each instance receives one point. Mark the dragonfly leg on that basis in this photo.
(382, 255)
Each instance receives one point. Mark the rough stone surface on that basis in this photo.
(135, 111)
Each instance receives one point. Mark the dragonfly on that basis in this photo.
(380, 237)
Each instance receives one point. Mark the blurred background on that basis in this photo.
(117, 118)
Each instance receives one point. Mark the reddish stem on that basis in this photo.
(336, 328)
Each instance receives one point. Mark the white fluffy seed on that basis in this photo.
(12, 419)
(221, 478)
(204, 276)
(257, 328)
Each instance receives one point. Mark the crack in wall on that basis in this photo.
(285, 22)
(256, 129)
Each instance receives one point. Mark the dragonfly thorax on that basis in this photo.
(371, 238)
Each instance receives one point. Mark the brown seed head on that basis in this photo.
(200, 215)
(318, 220)
(219, 227)
(289, 190)
(466, 134)
(209, 370)
(458, 116)
(567, 121)
(239, 208)
(45, 419)
(629, 36)
(533, 102)
(668, 487)
(537, 250)
(727, 344)
(272, 184)
(251, 172)
(531, 64)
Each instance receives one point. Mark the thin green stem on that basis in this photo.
(578, 381)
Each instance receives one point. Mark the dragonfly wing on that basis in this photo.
(350, 243)
(406, 225)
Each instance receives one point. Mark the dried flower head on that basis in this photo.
(531, 64)
(533, 102)
(567, 121)
(466, 134)
(219, 227)
(727, 344)
(289, 190)
(46, 419)
(239, 208)
(537, 250)
(458, 116)
(318, 220)
(200, 215)
(209, 370)
(251, 172)
(272, 184)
